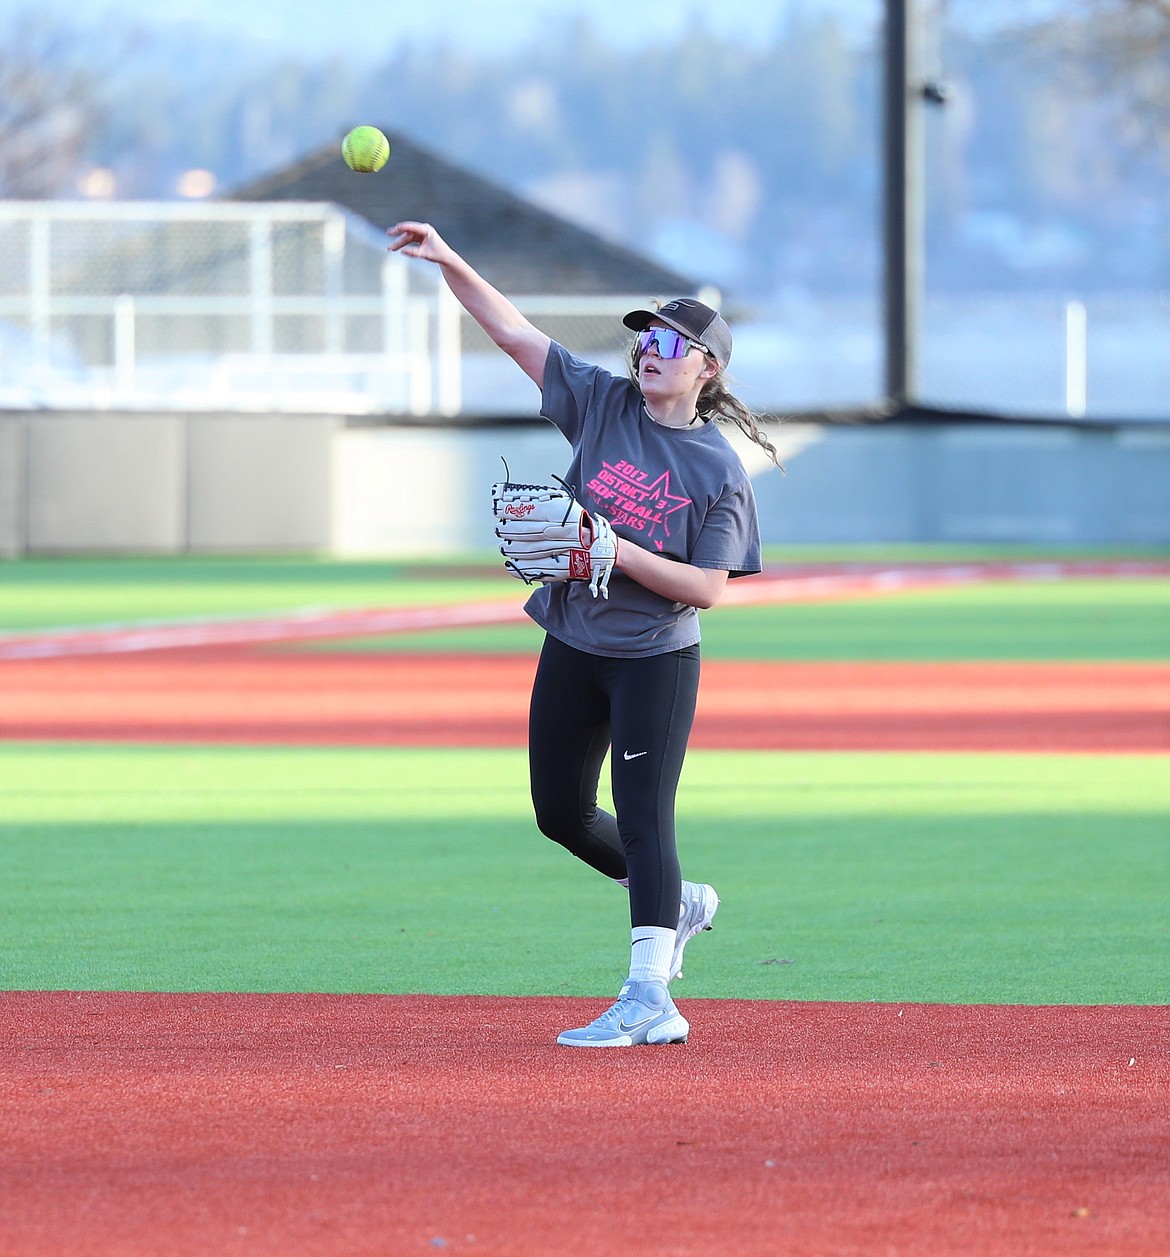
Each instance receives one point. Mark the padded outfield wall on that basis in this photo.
(210, 483)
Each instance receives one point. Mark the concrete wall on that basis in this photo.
(884, 484)
(168, 484)
(975, 483)
(404, 491)
(213, 483)
(12, 485)
(109, 482)
(260, 482)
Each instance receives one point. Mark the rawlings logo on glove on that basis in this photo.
(546, 535)
(518, 510)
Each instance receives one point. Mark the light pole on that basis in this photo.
(903, 200)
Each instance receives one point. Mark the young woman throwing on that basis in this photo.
(620, 675)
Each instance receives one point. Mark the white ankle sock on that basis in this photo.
(651, 951)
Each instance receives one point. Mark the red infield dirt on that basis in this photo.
(247, 696)
(137, 1125)
(133, 1125)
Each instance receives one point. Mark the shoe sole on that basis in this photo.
(705, 920)
(676, 1031)
(623, 1042)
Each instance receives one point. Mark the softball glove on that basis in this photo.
(546, 536)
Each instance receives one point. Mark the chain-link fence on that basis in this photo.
(175, 306)
(299, 308)
(284, 307)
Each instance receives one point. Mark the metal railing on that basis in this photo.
(289, 306)
(285, 306)
(298, 307)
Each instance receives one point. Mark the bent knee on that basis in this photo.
(566, 825)
(558, 824)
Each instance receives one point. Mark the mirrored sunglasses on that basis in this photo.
(668, 342)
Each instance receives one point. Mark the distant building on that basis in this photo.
(517, 246)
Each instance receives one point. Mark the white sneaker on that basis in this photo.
(644, 1013)
(696, 912)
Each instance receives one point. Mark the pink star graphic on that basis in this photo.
(624, 480)
(661, 499)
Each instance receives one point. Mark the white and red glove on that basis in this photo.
(546, 536)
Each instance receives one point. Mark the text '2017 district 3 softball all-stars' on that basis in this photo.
(546, 535)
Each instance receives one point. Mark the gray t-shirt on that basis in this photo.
(682, 492)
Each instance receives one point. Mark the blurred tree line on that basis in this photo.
(1048, 166)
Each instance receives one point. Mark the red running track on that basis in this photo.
(244, 696)
(135, 1125)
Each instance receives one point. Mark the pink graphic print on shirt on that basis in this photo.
(627, 496)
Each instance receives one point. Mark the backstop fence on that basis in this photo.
(298, 308)
(288, 307)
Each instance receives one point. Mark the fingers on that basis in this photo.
(405, 234)
(410, 236)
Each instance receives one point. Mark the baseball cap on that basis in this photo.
(692, 318)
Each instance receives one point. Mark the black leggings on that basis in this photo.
(644, 707)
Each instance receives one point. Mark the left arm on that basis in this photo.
(700, 587)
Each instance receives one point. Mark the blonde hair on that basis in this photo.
(717, 402)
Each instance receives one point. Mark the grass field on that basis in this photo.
(845, 876)
(65, 591)
(53, 593)
(268, 986)
(1069, 620)
(991, 878)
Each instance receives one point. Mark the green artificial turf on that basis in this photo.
(76, 592)
(1066, 619)
(54, 593)
(1070, 619)
(845, 876)
(948, 878)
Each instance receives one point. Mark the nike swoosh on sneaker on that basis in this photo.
(625, 1028)
(635, 755)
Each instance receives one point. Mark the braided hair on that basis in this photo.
(719, 403)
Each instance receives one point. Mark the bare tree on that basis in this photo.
(49, 104)
(1121, 49)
